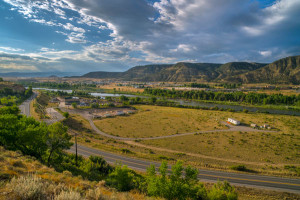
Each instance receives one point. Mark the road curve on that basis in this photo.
(231, 128)
(259, 181)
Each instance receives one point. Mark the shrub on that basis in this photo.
(239, 168)
(27, 187)
(222, 191)
(66, 114)
(175, 185)
(126, 151)
(18, 164)
(121, 178)
(68, 195)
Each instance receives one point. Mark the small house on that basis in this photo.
(234, 121)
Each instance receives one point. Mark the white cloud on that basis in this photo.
(265, 53)
(71, 27)
(74, 37)
(11, 49)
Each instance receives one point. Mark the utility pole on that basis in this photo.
(76, 157)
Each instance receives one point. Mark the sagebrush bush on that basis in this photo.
(68, 195)
(27, 187)
(18, 164)
(222, 191)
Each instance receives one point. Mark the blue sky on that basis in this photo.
(115, 35)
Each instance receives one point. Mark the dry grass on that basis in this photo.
(33, 114)
(78, 123)
(38, 181)
(151, 121)
(267, 153)
(255, 147)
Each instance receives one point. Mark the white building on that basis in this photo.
(234, 121)
(119, 112)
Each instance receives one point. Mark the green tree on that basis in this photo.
(123, 98)
(66, 115)
(74, 105)
(121, 178)
(57, 139)
(153, 100)
(175, 185)
(222, 191)
(14, 110)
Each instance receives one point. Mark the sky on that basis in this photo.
(114, 35)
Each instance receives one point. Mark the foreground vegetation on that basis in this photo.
(13, 94)
(46, 143)
(24, 177)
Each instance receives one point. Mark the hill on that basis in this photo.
(286, 70)
(180, 72)
(23, 177)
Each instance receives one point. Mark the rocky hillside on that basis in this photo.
(286, 70)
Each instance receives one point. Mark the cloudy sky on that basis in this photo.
(114, 35)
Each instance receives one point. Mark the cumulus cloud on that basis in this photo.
(169, 31)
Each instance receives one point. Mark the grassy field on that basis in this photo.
(253, 148)
(151, 121)
(274, 153)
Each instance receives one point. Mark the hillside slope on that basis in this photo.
(33, 180)
(285, 70)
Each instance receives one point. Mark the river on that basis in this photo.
(193, 103)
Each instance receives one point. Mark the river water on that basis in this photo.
(194, 103)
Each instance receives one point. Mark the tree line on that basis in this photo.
(63, 85)
(249, 98)
(10, 97)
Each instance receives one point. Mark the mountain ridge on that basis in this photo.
(285, 70)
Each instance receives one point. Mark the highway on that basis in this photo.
(25, 106)
(257, 181)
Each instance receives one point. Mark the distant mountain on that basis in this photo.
(38, 74)
(285, 70)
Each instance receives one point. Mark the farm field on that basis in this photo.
(151, 121)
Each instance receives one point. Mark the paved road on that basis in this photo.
(267, 182)
(55, 116)
(25, 106)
